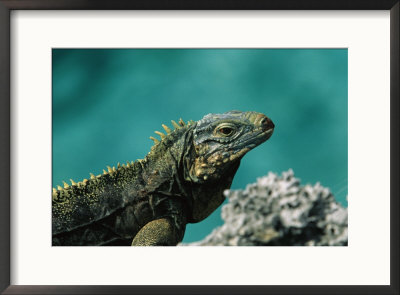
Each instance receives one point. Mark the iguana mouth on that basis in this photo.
(267, 133)
(260, 135)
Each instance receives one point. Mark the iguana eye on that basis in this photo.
(225, 130)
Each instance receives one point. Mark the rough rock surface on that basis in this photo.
(278, 211)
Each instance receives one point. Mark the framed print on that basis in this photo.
(86, 85)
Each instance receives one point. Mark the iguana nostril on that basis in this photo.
(266, 123)
(271, 124)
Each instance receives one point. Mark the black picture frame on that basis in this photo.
(6, 6)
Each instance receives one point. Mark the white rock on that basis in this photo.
(279, 211)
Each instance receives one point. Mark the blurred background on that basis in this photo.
(107, 102)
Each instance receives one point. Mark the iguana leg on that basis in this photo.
(159, 232)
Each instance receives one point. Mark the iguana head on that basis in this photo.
(221, 140)
(198, 160)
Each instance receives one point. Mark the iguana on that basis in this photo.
(150, 201)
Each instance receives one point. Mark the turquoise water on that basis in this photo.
(106, 104)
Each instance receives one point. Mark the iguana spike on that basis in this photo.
(85, 180)
(131, 162)
(73, 182)
(104, 171)
(128, 164)
(118, 165)
(109, 169)
(166, 128)
(65, 184)
(114, 168)
(181, 122)
(175, 124)
(59, 187)
(54, 190)
(92, 176)
(154, 139)
(162, 135)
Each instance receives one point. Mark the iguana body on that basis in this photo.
(150, 201)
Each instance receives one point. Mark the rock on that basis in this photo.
(278, 211)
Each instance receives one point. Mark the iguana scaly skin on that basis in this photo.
(150, 201)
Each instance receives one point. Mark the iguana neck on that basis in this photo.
(208, 197)
(166, 166)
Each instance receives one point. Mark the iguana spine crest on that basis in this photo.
(128, 165)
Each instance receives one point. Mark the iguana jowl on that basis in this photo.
(150, 201)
